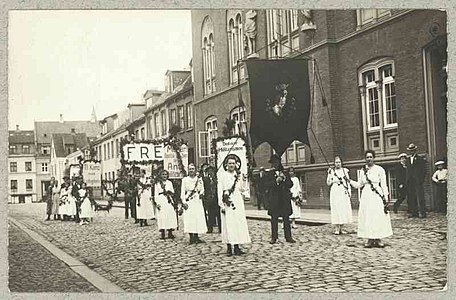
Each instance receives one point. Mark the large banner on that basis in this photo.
(143, 152)
(280, 100)
(91, 171)
(235, 146)
(171, 162)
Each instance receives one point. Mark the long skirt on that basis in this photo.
(373, 223)
(341, 210)
(55, 205)
(166, 215)
(145, 210)
(86, 209)
(194, 216)
(70, 206)
(234, 222)
(296, 210)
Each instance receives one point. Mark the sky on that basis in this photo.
(69, 62)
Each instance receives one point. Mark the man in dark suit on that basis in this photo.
(260, 189)
(210, 199)
(414, 183)
(75, 193)
(279, 184)
(401, 174)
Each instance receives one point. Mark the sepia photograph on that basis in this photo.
(265, 150)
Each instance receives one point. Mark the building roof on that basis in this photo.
(77, 140)
(44, 130)
(21, 137)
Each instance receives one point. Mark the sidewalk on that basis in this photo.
(309, 216)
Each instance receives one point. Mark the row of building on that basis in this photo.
(378, 81)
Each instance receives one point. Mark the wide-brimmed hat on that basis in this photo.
(66, 177)
(275, 157)
(440, 162)
(412, 146)
(402, 155)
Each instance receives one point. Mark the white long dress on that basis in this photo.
(194, 215)
(63, 200)
(234, 221)
(295, 192)
(145, 209)
(86, 206)
(339, 197)
(373, 223)
(70, 206)
(166, 215)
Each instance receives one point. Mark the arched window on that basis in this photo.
(235, 34)
(208, 51)
(379, 106)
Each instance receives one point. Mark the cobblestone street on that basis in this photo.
(136, 260)
(33, 269)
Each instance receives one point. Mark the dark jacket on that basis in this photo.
(279, 195)
(210, 192)
(401, 175)
(416, 171)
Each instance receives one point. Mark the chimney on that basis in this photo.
(61, 118)
(17, 127)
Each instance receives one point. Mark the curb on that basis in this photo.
(101, 283)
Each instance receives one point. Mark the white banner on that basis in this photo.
(91, 172)
(144, 152)
(235, 146)
(75, 171)
(171, 163)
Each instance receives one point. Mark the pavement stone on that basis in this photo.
(136, 260)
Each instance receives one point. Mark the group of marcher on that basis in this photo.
(374, 221)
(206, 201)
(70, 201)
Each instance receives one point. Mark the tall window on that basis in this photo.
(379, 106)
(44, 167)
(189, 112)
(13, 186)
(104, 152)
(369, 16)
(13, 167)
(28, 185)
(208, 50)
(112, 149)
(235, 44)
(392, 184)
(100, 156)
(283, 33)
(28, 166)
(238, 115)
(303, 179)
(181, 117)
(157, 124)
(206, 137)
(163, 122)
(25, 149)
(108, 151)
(172, 117)
(143, 133)
(117, 148)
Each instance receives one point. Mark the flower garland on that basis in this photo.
(227, 193)
(341, 181)
(385, 204)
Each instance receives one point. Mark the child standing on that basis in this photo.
(440, 179)
(86, 212)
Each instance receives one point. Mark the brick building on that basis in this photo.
(382, 75)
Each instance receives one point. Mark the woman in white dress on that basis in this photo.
(192, 191)
(55, 194)
(296, 197)
(86, 210)
(144, 204)
(232, 188)
(63, 206)
(164, 203)
(339, 197)
(374, 221)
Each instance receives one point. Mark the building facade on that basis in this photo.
(173, 110)
(43, 133)
(378, 81)
(21, 167)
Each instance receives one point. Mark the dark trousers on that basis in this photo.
(441, 193)
(415, 198)
(213, 216)
(76, 217)
(401, 195)
(275, 227)
(127, 206)
(130, 203)
(260, 200)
